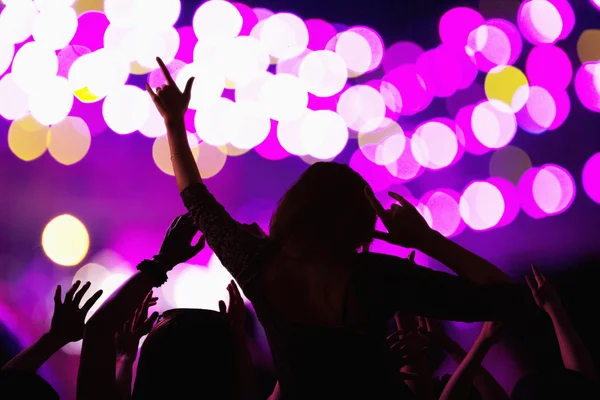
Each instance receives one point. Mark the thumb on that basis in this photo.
(188, 88)
(222, 307)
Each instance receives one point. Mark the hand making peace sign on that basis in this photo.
(169, 100)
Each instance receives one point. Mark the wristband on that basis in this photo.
(158, 273)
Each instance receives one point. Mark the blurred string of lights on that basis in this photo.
(281, 86)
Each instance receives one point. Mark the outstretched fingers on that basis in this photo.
(379, 210)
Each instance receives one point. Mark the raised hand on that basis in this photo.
(139, 326)
(171, 102)
(491, 331)
(543, 292)
(236, 311)
(177, 246)
(254, 229)
(406, 226)
(68, 321)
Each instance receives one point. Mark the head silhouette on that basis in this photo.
(189, 354)
(16, 385)
(325, 211)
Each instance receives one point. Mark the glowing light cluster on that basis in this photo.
(283, 86)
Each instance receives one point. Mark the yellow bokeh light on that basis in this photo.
(211, 160)
(82, 6)
(27, 138)
(137, 69)
(506, 84)
(229, 84)
(588, 45)
(231, 150)
(85, 96)
(162, 154)
(65, 240)
(69, 140)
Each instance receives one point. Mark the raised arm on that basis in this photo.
(484, 382)
(97, 370)
(67, 326)
(407, 228)
(574, 354)
(236, 248)
(461, 382)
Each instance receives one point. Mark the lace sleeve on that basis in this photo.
(238, 250)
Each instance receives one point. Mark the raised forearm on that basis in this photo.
(460, 260)
(32, 358)
(574, 353)
(461, 382)
(184, 165)
(124, 377)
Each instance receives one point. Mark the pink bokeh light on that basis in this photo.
(440, 70)
(539, 112)
(445, 213)
(270, 148)
(464, 119)
(187, 42)
(456, 25)
(90, 30)
(482, 205)
(434, 145)
(587, 85)
(406, 167)
(248, 16)
(511, 200)
(514, 37)
(412, 89)
(319, 33)
(401, 53)
(549, 67)
(553, 189)
(494, 124)
(591, 178)
(540, 22)
(374, 174)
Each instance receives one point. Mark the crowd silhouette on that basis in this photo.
(323, 298)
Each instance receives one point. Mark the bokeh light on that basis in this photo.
(587, 45)
(443, 206)
(384, 145)
(493, 123)
(210, 160)
(283, 97)
(323, 72)
(285, 35)
(16, 21)
(508, 85)
(481, 205)
(457, 24)
(126, 109)
(217, 21)
(69, 140)
(27, 138)
(587, 85)
(54, 27)
(65, 240)
(539, 112)
(362, 107)
(411, 88)
(489, 47)
(558, 76)
(401, 53)
(553, 189)
(509, 163)
(52, 102)
(540, 22)
(251, 125)
(323, 134)
(591, 177)
(14, 102)
(33, 66)
(434, 145)
(7, 52)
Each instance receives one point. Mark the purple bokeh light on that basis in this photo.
(591, 177)
(401, 53)
(549, 67)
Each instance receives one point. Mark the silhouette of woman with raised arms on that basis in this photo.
(324, 304)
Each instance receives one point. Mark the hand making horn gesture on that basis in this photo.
(169, 100)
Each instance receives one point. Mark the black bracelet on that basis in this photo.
(158, 273)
